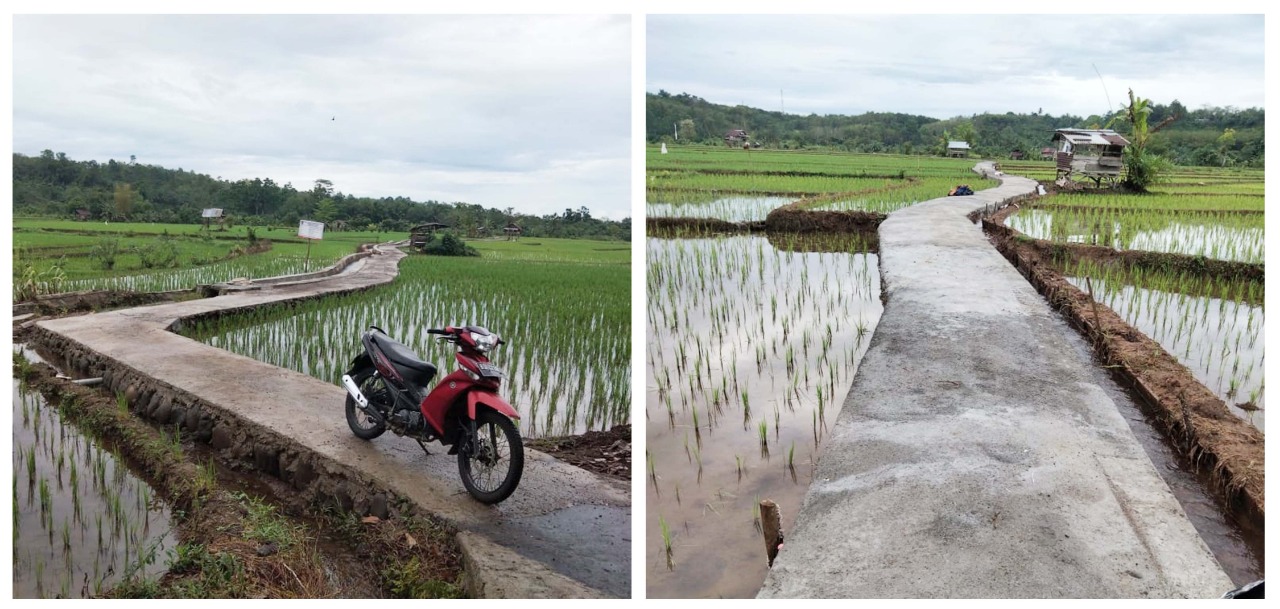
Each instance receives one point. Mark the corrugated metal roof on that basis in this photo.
(958, 144)
(1097, 137)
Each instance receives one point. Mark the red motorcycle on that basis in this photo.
(387, 389)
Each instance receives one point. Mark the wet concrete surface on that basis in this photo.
(310, 413)
(976, 455)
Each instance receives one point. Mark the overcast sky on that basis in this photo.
(530, 112)
(946, 66)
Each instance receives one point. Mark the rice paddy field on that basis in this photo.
(744, 185)
(1212, 325)
(753, 342)
(742, 384)
(202, 257)
(1198, 211)
(562, 306)
(82, 522)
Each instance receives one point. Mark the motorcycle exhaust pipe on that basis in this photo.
(354, 391)
(358, 396)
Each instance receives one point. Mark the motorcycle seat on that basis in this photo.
(403, 356)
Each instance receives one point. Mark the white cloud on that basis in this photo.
(484, 109)
(944, 66)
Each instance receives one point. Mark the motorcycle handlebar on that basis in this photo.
(453, 332)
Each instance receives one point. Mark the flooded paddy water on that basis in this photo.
(1232, 237)
(1218, 340)
(752, 344)
(729, 209)
(82, 522)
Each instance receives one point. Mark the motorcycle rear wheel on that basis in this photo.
(491, 466)
(362, 425)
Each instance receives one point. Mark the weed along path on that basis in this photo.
(975, 455)
(564, 533)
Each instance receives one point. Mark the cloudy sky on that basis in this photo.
(946, 66)
(530, 112)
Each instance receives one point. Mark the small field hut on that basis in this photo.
(511, 231)
(958, 148)
(1096, 154)
(211, 215)
(420, 234)
(737, 137)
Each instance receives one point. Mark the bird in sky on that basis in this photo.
(334, 118)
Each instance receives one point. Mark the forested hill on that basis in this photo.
(1197, 138)
(54, 185)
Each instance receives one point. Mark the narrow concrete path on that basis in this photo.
(566, 531)
(974, 456)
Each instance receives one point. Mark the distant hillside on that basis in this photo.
(54, 185)
(1194, 139)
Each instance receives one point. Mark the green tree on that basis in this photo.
(1226, 142)
(123, 200)
(323, 187)
(326, 210)
(687, 130)
(965, 132)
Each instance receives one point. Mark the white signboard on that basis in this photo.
(308, 229)
(212, 212)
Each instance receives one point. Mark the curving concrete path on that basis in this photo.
(564, 533)
(974, 456)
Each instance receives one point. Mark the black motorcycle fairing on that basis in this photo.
(361, 362)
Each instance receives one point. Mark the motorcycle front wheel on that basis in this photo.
(492, 461)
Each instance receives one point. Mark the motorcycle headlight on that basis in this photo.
(484, 342)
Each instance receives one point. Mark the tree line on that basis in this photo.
(1205, 136)
(53, 185)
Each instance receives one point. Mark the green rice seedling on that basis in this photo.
(46, 498)
(66, 536)
(653, 474)
(666, 541)
(31, 464)
(697, 456)
(61, 464)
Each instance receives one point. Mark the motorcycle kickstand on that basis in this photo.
(424, 446)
